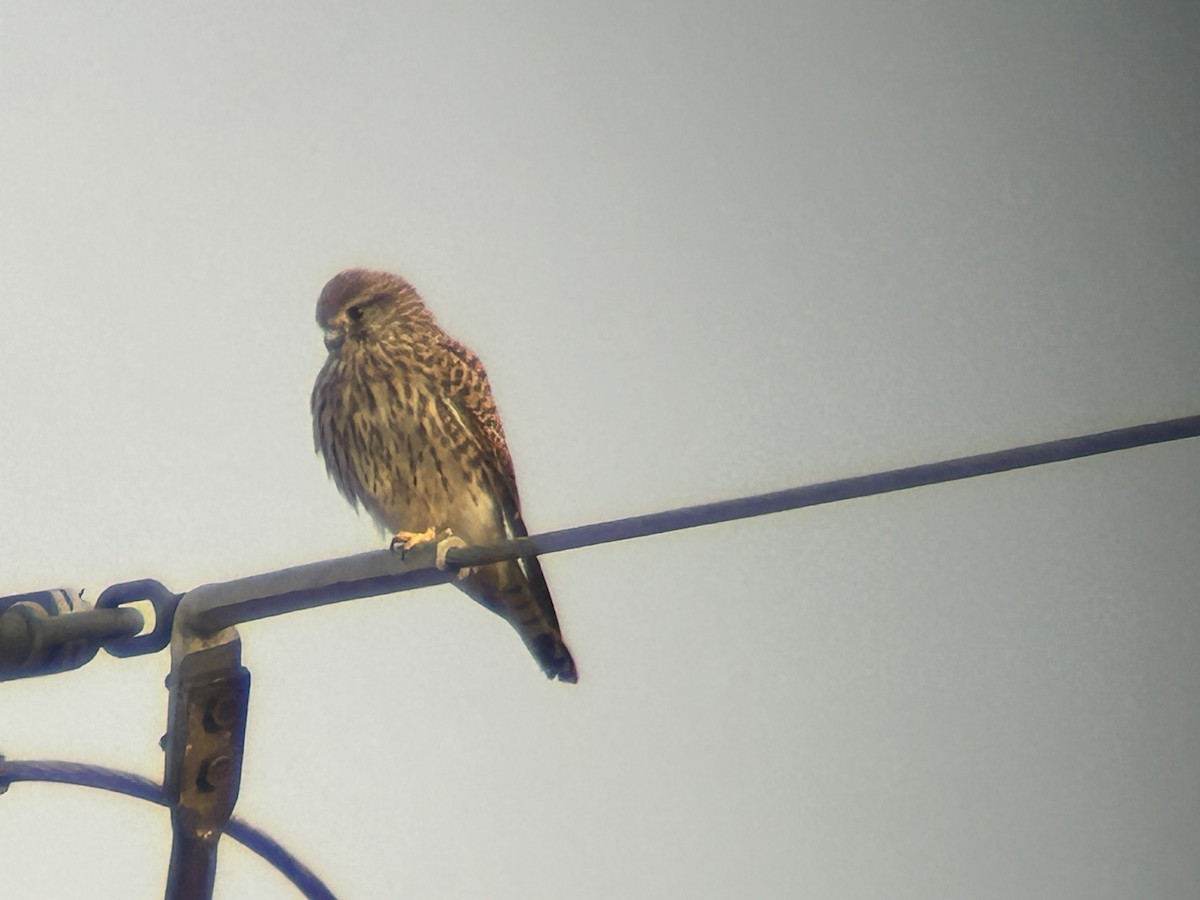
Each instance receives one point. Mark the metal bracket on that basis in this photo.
(209, 696)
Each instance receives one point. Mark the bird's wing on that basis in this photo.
(471, 399)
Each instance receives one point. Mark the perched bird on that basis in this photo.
(405, 419)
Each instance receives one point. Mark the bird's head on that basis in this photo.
(360, 305)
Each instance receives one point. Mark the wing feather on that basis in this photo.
(471, 398)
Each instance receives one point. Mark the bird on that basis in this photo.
(404, 417)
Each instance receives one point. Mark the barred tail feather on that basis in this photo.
(554, 658)
(518, 593)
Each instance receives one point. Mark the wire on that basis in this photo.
(830, 492)
(144, 789)
(300, 593)
(217, 606)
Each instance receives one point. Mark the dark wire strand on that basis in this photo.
(830, 491)
(58, 772)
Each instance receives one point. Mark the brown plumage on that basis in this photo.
(405, 419)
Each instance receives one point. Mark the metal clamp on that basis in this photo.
(55, 631)
(206, 733)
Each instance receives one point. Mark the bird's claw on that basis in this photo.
(406, 540)
(446, 541)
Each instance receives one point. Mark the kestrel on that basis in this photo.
(405, 419)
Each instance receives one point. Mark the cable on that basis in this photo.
(144, 789)
(299, 593)
(830, 492)
(220, 605)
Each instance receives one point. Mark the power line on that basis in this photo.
(217, 606)
(210, 608)
(830, 491)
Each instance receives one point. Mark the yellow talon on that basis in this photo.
(406, 540)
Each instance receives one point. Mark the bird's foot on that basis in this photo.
(406, 540)
(449, 540)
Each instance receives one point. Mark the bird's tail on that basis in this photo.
(518, 592)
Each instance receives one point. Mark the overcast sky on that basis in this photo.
(705, 250)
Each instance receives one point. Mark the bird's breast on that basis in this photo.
(395, 442)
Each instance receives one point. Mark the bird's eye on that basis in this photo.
(355, 313)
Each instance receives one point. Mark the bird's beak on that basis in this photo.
(334, 338)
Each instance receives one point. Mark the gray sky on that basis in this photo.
(705, 250)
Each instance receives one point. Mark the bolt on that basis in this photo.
(221, 714)
(214, 773)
